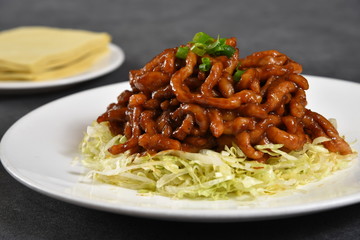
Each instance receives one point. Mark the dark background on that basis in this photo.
(322, 35)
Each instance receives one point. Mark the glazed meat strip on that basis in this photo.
(174, 104)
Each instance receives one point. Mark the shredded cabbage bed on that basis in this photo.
(207, 174)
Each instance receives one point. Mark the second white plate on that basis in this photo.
(39, 148)
(106, 64)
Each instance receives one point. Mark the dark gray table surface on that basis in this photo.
(322, 35)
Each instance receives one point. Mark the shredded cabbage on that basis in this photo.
(207, 174)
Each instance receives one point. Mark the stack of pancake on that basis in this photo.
(43, 53)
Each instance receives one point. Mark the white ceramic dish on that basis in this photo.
(39, 148)
(106, 64)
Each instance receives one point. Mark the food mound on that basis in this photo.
(200, 122)
(203, 96)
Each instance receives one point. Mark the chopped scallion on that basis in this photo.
(199, 49)
(237, 75)
(182, 52)
(222, 41)
(203, 43)
(202, 37)
(206, 64)
(225, 50)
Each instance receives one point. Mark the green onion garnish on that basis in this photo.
(199, 49)
(224, 50)
(237, 75)
(182, 52)
(206, 64)
(214, 47)
(202, 37)
(203, 43)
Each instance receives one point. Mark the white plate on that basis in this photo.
(106, 64)
(39, 148)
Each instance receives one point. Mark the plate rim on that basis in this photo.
(207, 215)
